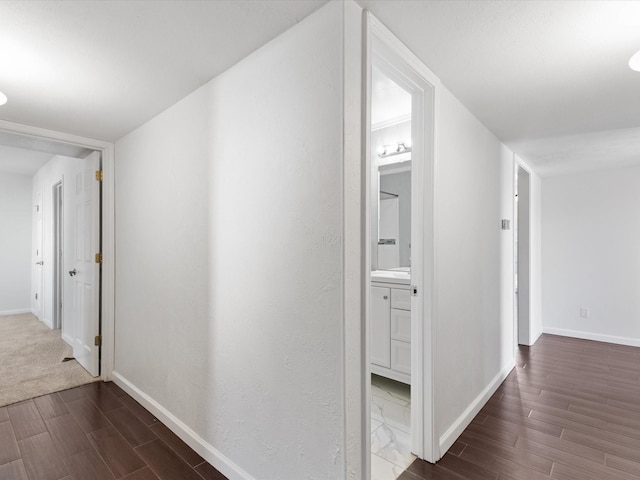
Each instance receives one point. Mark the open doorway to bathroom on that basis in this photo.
(399, 142)
(390, 340)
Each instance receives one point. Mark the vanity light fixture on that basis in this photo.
(3, 98)
(634, 62)
(393, 149)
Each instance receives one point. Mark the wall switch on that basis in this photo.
(584, 312)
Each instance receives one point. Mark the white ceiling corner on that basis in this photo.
(547, 78)
(99, 69)
(534, 71)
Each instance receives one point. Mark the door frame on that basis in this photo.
(107, 150)
(522, 290)
(38, 254)
(58, 253)
(383, 46)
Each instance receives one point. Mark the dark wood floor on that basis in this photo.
(569, 411)
(93, 432)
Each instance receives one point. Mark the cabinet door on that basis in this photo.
(400, 325)
(381, 326)
(401, 356)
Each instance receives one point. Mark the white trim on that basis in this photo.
(365, 241)
(598, 337)
(357, 441)
(463, 421)
(207, 451)
(107, 360)
(398, 61)
(400, 49)
(108, 225)
(31, 131)
(394, 168)
(16, 312)
(391, 122)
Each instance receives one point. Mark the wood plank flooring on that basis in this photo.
(93, 432)
(569, 411)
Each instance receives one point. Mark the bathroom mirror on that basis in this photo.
(394, 216)
(391, 175)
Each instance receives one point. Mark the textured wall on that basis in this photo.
(229, 257)
(474, 330)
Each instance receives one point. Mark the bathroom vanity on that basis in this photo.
(390, 352)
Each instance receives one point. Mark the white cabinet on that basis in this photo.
(390, 352)
(380, 326)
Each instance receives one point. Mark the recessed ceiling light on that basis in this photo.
(3, 98)
(634, 62)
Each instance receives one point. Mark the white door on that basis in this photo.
(82, 310)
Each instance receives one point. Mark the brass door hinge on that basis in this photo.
(97, 341)
(98, 258)
(99, 175)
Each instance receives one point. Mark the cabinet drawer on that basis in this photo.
(401, 325)
(400, 299)
(401, 356)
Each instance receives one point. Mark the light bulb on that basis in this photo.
(381, 150)
(634, 62)
(3, 98)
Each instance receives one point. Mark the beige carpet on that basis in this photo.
(31, 363)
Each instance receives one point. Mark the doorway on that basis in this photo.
(399, 207)
(54, 192)
(522, 255)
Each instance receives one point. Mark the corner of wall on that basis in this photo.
(455, 430)
(190, 437)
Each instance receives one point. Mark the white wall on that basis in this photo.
(473, 309)
(15, 243)
(229, 273)
(591, 255)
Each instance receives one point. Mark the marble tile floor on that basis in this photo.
(390, 428)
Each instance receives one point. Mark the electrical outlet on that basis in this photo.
(584, 312)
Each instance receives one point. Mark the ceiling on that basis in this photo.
(550, 79)
(20, 161)
(390, 103)
(100, 69)
(539, 74)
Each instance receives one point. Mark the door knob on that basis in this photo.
(72, 272)
(40, 263)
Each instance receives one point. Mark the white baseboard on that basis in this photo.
(633, 342)
(463, 421)
(15, 312)
(216, 458)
